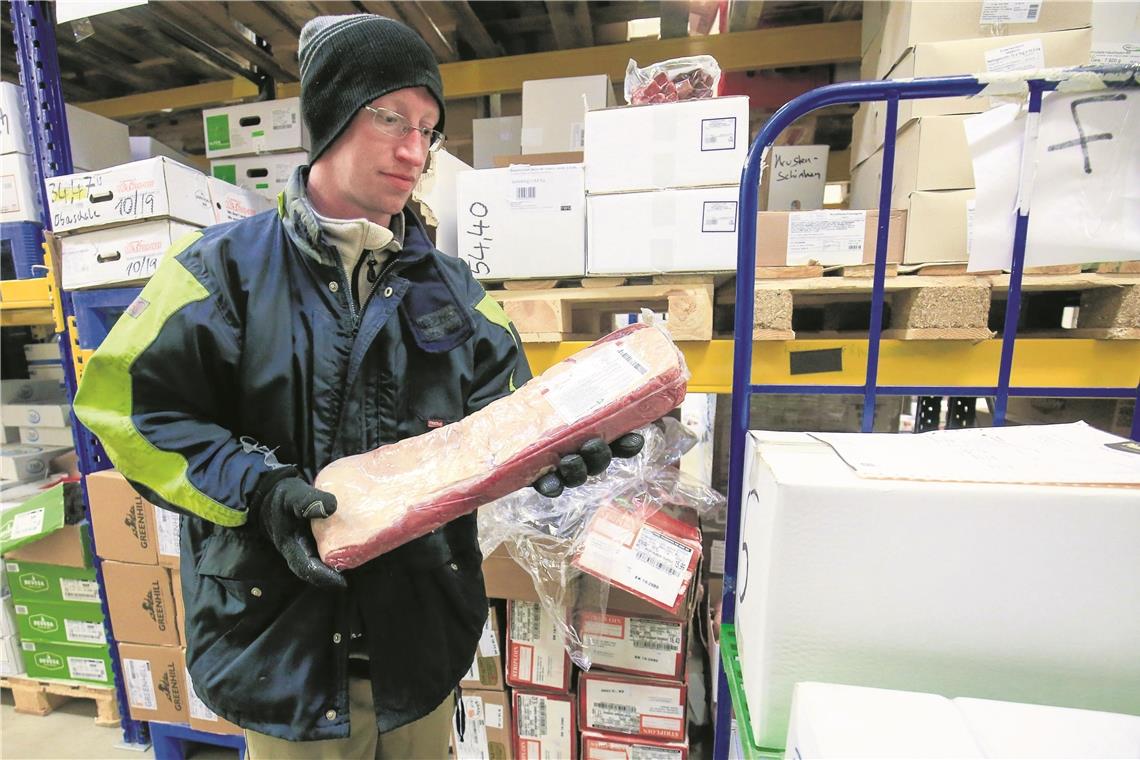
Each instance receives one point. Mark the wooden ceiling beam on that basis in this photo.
(215, 27)
(473, 32)
(565, 21)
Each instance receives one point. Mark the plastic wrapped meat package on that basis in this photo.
(554, 540)
(399, 492)
(689, 78)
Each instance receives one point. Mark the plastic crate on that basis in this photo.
(96, 312)
(21, 250)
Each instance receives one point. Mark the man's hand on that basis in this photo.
(284, 515)
(593, 458)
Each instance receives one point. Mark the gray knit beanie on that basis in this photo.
(349, 61)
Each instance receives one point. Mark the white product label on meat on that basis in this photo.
(718, 216)
(473, 744)
(9, 198)
(74, 590)
(718, 134)
(140, 684)
(169, 531)
(1115, 54)
(532, 716)
(1010, 11)
(27, 524)
(198, 708)
(594, 382)
(488, 642)
(826, 237)
(970, 206)
(83, 632)
(1019, 57)
(716, 557)
(87, 668)
(496, 716)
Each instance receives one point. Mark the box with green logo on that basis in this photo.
(64, 623)
(75, 662)
(267, 126)
(36, 583)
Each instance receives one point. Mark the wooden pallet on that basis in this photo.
(38, 696)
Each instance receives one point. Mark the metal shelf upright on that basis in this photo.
(731, 686)
(33, 26)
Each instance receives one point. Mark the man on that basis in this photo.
(263, 350)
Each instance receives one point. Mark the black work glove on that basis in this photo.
(593, 458)
(283, 513)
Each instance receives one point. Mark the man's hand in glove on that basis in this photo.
(283, 513)
(593, 458)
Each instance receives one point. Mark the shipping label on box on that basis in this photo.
(691, 143)
(507, 216)
(62, 622)
(77, 662)
(645, 552)
(156, 688)
(638, 645)
(262, 127)
(487, 668)
(488, 731)
(232, 203)
(266, 175)
(32, 582)
(544, 727)
(795, 179)
(168, 526)
(536, 656)
(626, 705)
(141, 602)
(122, 520)
(598, 746)
(18, 201)
(118, 255)
(830, 237)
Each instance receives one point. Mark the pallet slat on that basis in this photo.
(41, 697)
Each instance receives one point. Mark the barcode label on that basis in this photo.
(615, 716)
(649, 752)
(665, 565)
(87, 669)
(74, 590)
(1010, 12)
(83, 632)
(654, 635)
(526, 621)
(633, 362)
(140, 684)
(532, 720)
(526, 192)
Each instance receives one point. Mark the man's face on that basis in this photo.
(373, 171)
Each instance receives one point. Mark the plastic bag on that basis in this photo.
(689, 78)
(549, 537)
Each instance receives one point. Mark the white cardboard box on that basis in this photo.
(47, 436)
(664, 231)
(436, 193)
(1037, 732)
(554, 111)
(544, 726)
(938, 226)
(36, 415)
(143, 148)
(265, 174)
(157, 188)
(7, 616)
(232, 202)
(500, 136)
(23, 463)
(13, 123)
(19, 391)
(931, 153)
(18, 201)
(11, 656)
(1017, 592)
(96, 141)
(536, 657)
(262, 127)
(119, 254)
(692, 143)
(522, 221)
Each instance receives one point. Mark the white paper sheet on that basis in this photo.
(995, 138)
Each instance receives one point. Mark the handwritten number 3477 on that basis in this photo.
(1083, 140)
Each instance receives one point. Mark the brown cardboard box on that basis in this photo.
(488, 733)
(544, 726)
(505, 578)
(487, 669)
(590, 592)
(937, 226)
(68, 545)
(141, 601)
(540, 159)
(202, 718)
(123, 521)
(179, 607)
(155, 684)
(931, 153)
(772, 233)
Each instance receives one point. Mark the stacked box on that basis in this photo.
(11, 661)
(554, 111)
(256, 146)
(488, 732)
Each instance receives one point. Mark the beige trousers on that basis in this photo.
(427, 738)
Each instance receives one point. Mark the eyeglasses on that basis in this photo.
(395, 125)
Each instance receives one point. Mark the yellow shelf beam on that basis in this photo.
(780, 47)
(1061, 362)
(26, 302)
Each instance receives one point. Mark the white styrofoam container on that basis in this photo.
(264, 127)
(117, 255)
(18, 200)
(36, 415)
(266, 174)
(156, 188)
(1015, 592)
(1041, 732)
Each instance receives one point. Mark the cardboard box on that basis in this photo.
(664, 231)
(96, 141)
(122, 520)
(11, 656)
(692, 143)
(118, 255)
(76, 662)
(631, 644)
(67, 545)
(635, 706)
(505, 579)
(487, 668)
(536, 657)
(931, 153)
(154, 682)
(436, 193)
(232, 203)
(263, 127)
(544, 726)
(488, 730)
(63, 622)
(1115, 30)
(599, 746)
(266, 174)
(47, 436)
(985, 55)
(935, 586)
(554, 111)
(829, 237)
(141, 601)
(157, 188)
(539, 159)
(36, 415)
(795, 178)
(18, 200)
(202, 718)
(179, 604)
(143, 148)
(506, 216)
(33, 582)
(17, 391)
(23, 463)
(1014, 729)
(499, 136)
(595, 594)
(13, 121)
(906, 24)
(938, 226)
(8, 626)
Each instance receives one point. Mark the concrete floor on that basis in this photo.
(70, 732)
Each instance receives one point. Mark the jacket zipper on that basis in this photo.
(379, 279)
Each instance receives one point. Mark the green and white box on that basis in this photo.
(63, 623)
(266, 127)
(76, 662)
(267, 174)
(32, 582)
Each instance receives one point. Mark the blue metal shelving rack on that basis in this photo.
(743, 388)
